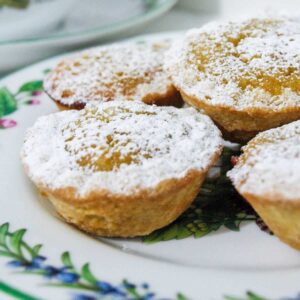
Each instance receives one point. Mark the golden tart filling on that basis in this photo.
(118, 146)
(115, 149)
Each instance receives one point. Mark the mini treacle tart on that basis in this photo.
(245, 75)
(128, 71)
(267, 175)
(121, 168)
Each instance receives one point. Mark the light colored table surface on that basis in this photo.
(180, 19)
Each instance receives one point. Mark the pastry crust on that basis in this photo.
(121, 169)
(244, 75)
(111, 215)
(267, 176)
(242, 126)
(129, 71)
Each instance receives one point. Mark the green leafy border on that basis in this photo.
(217, 204)
(28, 260)
(249, 296)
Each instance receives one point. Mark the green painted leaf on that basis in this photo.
(66, 260)
(249, 296)
(181, 297)
(14, 293)
(46, 71)
(218, 204)
(31, 86)
(6, 253)
(8, 103)
(201, 232)
(3, 233)
(232, 225)
(183, 232)
(154, 237)
(169, 233)
(252, 296)
(87, 275)
(16, 241)
(131, 289)
(20, 4)
(36, 250)
(177, 231)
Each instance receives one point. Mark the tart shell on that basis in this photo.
(121, 169)
(105, 214)
(241, 126)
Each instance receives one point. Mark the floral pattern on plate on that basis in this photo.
(27, 259)
(27, 94)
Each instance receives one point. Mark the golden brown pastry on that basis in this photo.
(121, 168)
(245, 75)
(268, 175)
(128, 71)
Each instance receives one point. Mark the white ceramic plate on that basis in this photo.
(87, 22)
(219, 264)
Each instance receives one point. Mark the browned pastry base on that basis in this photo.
(171, 98)
(241, 126)
(111, 215)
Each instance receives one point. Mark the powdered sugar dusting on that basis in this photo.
(270, 164)
(246, 64)
(128, 71)
(121, 147)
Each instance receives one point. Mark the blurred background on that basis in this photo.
(31, 30)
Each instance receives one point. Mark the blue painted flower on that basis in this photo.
(145, 286)
(149, 296)
(38, 261)
(128, 285)
(83, 297)
(17, 263)
(35, 263)
(61, 274)
(107, 289)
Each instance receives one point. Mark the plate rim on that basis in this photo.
(159, 8)
(155, 35)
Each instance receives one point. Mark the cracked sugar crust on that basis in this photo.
(122, 147)
(250, 64)
(270, 164)
(127, 71)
